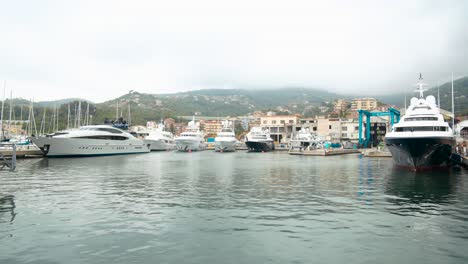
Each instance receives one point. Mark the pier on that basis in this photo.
(324, 152)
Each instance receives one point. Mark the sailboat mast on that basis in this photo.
(87, 114)
(129, 119)
(11, 106)
(3, 103)
(117, 111)
(79, 113)
(453, 109)
(68, 117)
(58, 110)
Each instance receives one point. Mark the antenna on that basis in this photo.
(420, 85)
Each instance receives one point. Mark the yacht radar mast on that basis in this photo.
(420, 85)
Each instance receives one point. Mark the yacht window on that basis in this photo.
(110, 130)
(413, 129)
(421, 107)
(425, 118)
(105, 137)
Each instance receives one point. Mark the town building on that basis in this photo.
(341, 105)
(280, 126)
(364, 104)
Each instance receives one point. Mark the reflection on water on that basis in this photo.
(208, 207)
(7, 208)
(435, 187)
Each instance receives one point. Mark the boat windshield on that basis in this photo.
(105, 129)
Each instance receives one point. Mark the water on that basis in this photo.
(239, 207)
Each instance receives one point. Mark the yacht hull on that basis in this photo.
(189, 145)
(160, 145)
(225, 146)
(258, 146)
(421, 153)
(67, 147)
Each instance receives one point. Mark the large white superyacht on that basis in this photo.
(225, 140)
(160, 139)
(258, 139)
(192, 139)
(96, 140)
(422, 139)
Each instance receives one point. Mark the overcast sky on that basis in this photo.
(99, 50)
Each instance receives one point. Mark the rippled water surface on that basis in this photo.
(239, 207)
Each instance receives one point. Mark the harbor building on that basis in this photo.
(341, 105)
(280, 126)
(211, 127)
(364, 104)
(307, 123)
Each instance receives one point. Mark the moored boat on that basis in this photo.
(225, 140)
(259, 140)
(97, 140)
(422, 139)
(192, 139)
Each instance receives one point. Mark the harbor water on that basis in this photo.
(207, 207)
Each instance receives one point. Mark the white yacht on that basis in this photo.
(258, 139)
(192, 139)
(422, 139)
(160, 139)
(97, 140)
(303, 140)
(226, 140)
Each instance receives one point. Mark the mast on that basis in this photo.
(79, 113)
(42, 127)
(11, 105)
(58, 111)
(117, 111)
(129, 118)
(87, 114)
(420, 85)
(438, 94)
(453, 109)
(3, 103)
(68, 117)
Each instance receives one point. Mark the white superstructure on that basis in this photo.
(304, 139)
(90, 141)
(421, 139)
(258, 139)
(160, 139)
(192, 139)
(226, 138)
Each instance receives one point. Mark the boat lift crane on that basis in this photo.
(394, 118)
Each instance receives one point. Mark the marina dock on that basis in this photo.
(373, 153)
(324, 152)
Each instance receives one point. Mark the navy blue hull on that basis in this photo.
(421, 153)
(255, 146)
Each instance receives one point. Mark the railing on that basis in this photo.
(8, 156)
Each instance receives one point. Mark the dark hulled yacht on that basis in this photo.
(259, 140)
(422, 139)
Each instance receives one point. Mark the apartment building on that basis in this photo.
(364, 104)
(281, 126)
